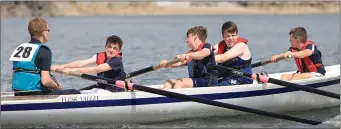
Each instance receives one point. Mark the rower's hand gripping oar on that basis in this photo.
(266, 79)
(132, 86)
(102, 80)
(149, 69)
(261, 63)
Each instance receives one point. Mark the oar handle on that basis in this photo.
(168, 63)
(261, 63)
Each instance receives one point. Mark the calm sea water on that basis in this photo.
(148, 39)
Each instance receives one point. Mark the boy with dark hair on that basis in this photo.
(233, 52)
(109, 64)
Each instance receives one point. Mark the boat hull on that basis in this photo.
(142, 107)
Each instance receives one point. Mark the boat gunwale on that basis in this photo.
(47, 98)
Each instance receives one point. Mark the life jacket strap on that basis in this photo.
(28, 71)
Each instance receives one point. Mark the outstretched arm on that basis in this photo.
(75, 64)
(199, 55)
(96, 69)
(302, 54)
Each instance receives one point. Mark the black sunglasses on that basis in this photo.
(48, 30)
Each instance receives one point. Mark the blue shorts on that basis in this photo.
(232, 81)
(228, 82)
(199, 82)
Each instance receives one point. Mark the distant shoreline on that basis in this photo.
(51, 9)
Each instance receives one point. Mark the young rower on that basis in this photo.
(109, 64)
(32, 62)
(307, 57)
(233, 52)
(201, 57)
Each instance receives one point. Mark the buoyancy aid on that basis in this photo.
(222, 45)
(117, 74)
(101, 57)
(189, 62)
(307, 62)
(222, 48)
(26, 75)
(236, 63)
(198, 68)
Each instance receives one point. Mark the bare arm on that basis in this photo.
(79, 63)
(47, 81)
(96, 69)
(302, 54)
(176, 65)
(235, 51)
(199, 55)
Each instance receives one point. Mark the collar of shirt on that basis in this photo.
(33, 40)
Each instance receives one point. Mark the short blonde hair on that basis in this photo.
(37, 26)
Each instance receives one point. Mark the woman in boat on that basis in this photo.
(32, 61)
(307, 57)
(233, 52)
(201, 57)
(109, 64)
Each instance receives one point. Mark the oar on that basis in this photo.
(132, 86)
(261, 63)
(149, 69)
(141, 71)
(279, 82)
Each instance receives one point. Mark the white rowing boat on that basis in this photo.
(143, 107)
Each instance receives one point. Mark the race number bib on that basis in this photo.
(24, 52)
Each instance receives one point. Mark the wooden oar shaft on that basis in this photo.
(149, 69)
(261, 63)
(254, 65)
(282, 83)
(136, 73)
(194, 99)
(168, 63)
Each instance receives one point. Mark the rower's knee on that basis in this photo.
(184, 83)
(178, 83)
(285, 77)
(168, 84)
